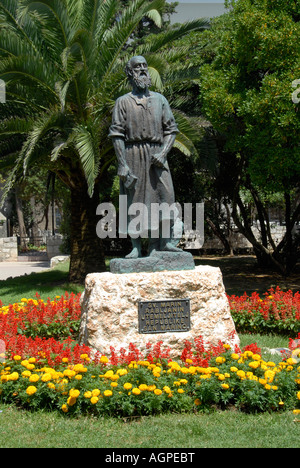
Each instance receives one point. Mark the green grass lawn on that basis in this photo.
(221, 429)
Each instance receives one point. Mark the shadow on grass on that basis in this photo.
(242, 273)
(49, 283)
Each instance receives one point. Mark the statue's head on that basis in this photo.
(137, 72)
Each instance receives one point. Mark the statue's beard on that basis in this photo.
(141, 81)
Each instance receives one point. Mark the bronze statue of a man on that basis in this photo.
(143, 130)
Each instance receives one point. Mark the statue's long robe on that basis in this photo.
(143, 125)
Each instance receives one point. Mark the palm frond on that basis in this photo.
(158, 41)
(84, 143)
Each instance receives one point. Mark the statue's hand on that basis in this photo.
(159, 159)
(123, 171)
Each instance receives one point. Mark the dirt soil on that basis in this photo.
(242, 274)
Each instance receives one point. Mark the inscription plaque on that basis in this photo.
(163, 316)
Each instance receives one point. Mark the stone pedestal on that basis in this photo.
(160, 261)
(110, 309)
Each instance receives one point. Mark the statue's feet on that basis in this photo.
(135, 253)
(169, 247)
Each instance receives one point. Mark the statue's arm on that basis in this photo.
(170, 131)
(119, 147)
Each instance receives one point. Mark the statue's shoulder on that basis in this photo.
(158, 96)
(123, 98)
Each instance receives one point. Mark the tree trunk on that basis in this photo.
(87, 251)
(20, 215)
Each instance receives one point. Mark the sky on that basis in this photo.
(190, 9)
(198, 1)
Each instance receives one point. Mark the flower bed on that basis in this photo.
(44, 367)
(144, 387)
(277, 312)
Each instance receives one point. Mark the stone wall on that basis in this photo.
(8, 249)
(3, 226)
(53, 246)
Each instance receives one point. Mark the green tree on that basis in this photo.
(63, 63)
(246, 93)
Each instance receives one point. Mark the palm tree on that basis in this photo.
(63, 64)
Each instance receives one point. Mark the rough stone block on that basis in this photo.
(110, 308)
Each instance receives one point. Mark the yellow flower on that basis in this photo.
(241, 373)
(225, 386)
(114, 384)
(84, 356)
(180, 390)
(46, 377)
(34, 378)
(69, 373)
(79, 368)
(71, 401)
(167, 389)
(51, 386)
(127, 386)
(296, 411)
(65, 359)
(78, 377)
(95, 392)
(298, 395)
(157, 391)
(94, 400)
(13, 376)
(220, 360)
(281, 403)
(151, 388)
(233, 369)
(197, 402)
(87, 394)
(256, 357)
(31, 390)
(17, 358)
(65, 408)
(32, 360)
(136, 391)
(235, 356)
(291, 361)
(107, 393)
(221, 377)
(30, 366)
(26, 373)
(143, 387)
(104, 359)
(74, 393)
(254, 364)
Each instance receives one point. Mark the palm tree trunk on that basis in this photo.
(87, 251)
